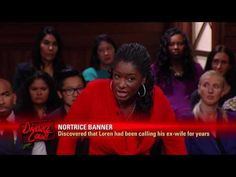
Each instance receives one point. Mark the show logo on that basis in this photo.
(37, 131)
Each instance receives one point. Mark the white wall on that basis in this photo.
(205, 42)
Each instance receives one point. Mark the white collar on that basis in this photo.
(11, 117)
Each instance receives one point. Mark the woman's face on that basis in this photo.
(126, 81)
(39, 92)
(220, 63)
(48, 48)
(176, 46)
(105, 53)
(211, 89)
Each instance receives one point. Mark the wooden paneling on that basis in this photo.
(230, 29)
(228, 35)
(16, 40)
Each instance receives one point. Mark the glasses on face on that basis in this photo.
(217, 62)
(71, 91)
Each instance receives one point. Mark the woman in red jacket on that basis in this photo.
(130, 96)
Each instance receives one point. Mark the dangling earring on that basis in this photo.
(144, 91)
(111, 84)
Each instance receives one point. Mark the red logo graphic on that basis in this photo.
(37, 131)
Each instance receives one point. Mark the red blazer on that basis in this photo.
(97, 104)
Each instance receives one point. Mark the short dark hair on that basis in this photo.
(66, 73)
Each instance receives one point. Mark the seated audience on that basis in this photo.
(222, 60)
(211, 89)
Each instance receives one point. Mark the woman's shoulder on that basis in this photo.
(198, 68)
(89, 70)
(89, 74)
(230, 104)
(154, 68)
(99, 83)
(23, 71)
(25, 66)
(98, 88)
(157, 89)
(158, 94)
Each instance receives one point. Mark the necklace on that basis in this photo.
(177, 73)
(130, 113)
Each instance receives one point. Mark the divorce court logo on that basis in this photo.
(37, 131)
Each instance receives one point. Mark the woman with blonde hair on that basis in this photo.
(211, 88)
(222, 60)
